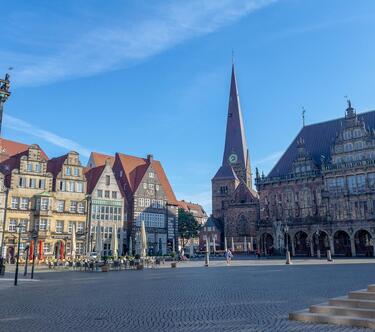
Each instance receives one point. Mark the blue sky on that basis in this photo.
(143, 77)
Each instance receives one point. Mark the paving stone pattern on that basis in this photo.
(245, 298)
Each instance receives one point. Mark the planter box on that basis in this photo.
(105, 268)
(173, 264)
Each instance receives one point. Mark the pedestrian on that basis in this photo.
(228, 256)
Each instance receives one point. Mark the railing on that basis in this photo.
(288, 177)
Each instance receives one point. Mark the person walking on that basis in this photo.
(228, 256)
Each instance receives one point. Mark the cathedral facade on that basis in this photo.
(319, 196)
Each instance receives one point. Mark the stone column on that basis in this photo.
(352, 244)
(331, 245)
(312, 246)
(292, 244)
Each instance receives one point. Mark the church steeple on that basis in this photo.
(236, 153)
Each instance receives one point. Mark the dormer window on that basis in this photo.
(151, 174)
(29, 167)
(37, 168)
(76, 171)
(68, 171)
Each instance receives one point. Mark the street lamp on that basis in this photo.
(6, 191)
(34, 238)
(19, 227)
(286, 231)
(207, 257)
(27, 249)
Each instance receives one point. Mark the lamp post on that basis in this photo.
(286, 231)
(88, 223)
(27, 259)
(207, 257)
(19, 227)
(35, 239)
(4, 222)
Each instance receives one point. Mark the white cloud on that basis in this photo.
(24, 127)
(118, 45)
(270, 159)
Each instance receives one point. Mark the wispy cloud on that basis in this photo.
(110, 46)
(271, 158)
(24, 127)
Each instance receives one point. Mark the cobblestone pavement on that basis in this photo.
(221, 298)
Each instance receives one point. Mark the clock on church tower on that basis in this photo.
(233, 158)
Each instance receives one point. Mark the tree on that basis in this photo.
(187, 226)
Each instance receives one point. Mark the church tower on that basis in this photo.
(235, 168)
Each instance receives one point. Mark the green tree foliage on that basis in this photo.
(188, 226)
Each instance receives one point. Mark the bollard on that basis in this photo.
(288, 261)
(318, 253)
(329, 257)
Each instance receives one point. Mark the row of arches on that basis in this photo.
(341, 244)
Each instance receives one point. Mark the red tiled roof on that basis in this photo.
(182, 204)
(10, 148)
(100, 158)
(135, 168)
(92, 176)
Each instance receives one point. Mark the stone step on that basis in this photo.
(342, 311)
(344, 301)
(371, 288)
(362, 295)
(306, 316)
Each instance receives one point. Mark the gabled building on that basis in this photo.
(148, 197)
(106, 208)
(27, 179)
(67, 207)
(234, 202)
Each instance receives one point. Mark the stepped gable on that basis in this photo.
(318, 139)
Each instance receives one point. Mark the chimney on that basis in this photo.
(150, 157)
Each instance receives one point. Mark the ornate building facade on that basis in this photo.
(323, 189)
(320, 195)
(149, 197)
(26, 178)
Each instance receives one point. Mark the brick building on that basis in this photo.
(323, 189)
(320, 195)
(235, 203)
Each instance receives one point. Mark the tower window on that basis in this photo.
(223, 190)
